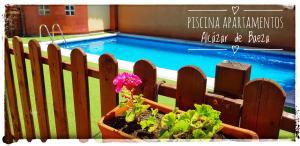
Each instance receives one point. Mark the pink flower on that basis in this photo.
(130, 81)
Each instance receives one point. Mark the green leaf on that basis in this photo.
(144, 107)
(151, 121)
(184, 116)
(125, 93)
(203, 122)
(198, 133)
(153, 128)
(123, 103)
(168, 120)
(129, 116)
(209, 119)
(175, 110)
(195, 117)
(139, 108)
(154, 112)
(143, 124)
(198, 124)
(138, 99)
(165, 134)
(180, 126)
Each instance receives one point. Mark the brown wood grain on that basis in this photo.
(191, 87)
(81, 93)
(39, 89)
(147, 72)
(251, 99)
(92, 72)
(58, 91)
(8, 137)
(23, 85)
(230, 79)
(288, 122)
(167, 90)
(108, 70)
(263, 107)
(230, 108)
(11, 92)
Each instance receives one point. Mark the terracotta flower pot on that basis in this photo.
(112, 133)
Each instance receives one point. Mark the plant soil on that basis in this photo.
(134, 128)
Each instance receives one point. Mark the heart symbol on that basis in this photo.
(235, 9)
(235, 48)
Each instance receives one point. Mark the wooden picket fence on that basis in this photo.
(254, 111)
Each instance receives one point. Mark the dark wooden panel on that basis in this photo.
(230, 108)
(288, 122)
(167, 90)
(11, 92)
(191, 87)
(231, 78)
(263, 107)
(58, 91)
(108, 70)
(23, 85)
(81, 93)
(39, 88)
(147, 72)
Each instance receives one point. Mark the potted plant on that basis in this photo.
(140, 118)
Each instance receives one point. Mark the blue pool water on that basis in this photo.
(173, 55)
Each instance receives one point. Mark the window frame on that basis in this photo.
(69, 11)
(43, 10)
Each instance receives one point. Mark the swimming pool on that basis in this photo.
(174, 54)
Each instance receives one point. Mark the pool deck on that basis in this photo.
(126, 65)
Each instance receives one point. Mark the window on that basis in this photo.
(70, 10)
(44, 10)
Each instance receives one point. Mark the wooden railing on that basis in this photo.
(190, 89)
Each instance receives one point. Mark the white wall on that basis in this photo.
(98, 17)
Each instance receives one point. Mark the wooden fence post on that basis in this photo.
(231, 78)
(263, 107)
(191, 87)
(58, 91)
(147, 72)
(81, 93)
(11, 92)
(108, 70)
(23, 85)
(39, 88)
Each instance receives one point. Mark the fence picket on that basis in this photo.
(11, 92)
(147, 72)
(260, 96)
(23, 85)
(39, 88)
(108, 70)
(263, 107)
(191, 87)
(81, 93)
(8, 137)
(58, 91)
